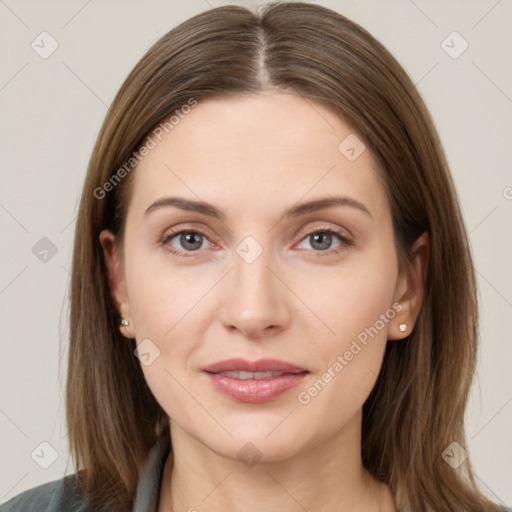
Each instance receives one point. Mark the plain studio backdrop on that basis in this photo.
(63, 62)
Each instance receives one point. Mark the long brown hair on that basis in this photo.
(416, 409)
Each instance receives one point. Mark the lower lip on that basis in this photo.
(255, 391)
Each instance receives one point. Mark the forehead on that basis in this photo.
(273, 147)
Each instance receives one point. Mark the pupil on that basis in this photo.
(319, 236)
(189, 239)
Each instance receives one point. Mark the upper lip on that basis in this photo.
(261, 365)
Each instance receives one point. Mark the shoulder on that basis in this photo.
(56, 496)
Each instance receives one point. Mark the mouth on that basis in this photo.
(243, 375)
(254, 381)
(258, 366)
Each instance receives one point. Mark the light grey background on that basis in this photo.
(52, 110)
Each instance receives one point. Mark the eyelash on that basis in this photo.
(345, 242)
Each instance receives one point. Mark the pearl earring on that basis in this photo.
(123, 322)
(402, 327)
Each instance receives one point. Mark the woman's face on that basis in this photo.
(316, 288)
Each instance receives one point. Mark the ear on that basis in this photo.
(116, 280)
(410, 289)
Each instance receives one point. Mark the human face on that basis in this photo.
(256, 283)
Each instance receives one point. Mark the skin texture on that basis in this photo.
(253, 158)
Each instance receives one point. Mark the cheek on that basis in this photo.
(352, 300)
(162, 295)
(356, 309)
(168, 307)
(162, 307)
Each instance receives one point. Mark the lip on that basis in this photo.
(261, 365)
(254, 390)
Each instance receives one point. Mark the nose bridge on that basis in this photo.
(255, 299)
(251, 271)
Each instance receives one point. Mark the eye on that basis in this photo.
(188, 241)
(321, 240)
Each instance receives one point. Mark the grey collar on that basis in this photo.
(148, 487)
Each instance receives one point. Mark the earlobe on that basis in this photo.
(410, 289)
(116, 280)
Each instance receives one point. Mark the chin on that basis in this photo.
(253, 452)
(251, 446)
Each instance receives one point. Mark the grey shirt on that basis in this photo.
(59, 495)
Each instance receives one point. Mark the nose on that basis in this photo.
(255, 302)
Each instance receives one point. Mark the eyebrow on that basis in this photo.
(295, 211)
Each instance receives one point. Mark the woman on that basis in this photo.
(273, 300)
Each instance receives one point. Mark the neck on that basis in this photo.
(326, 477)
